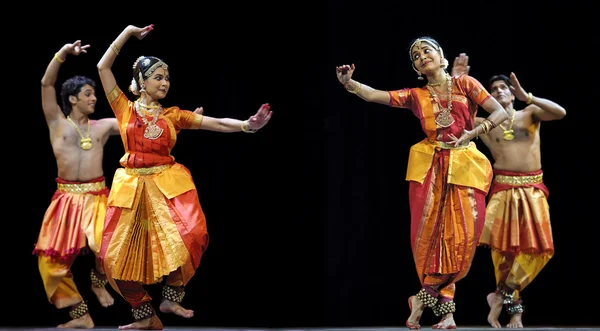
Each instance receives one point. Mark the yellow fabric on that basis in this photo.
(468, 166)
(518, 271)
(518, 221)
(146, 232)
(58, 281)
(171, 182)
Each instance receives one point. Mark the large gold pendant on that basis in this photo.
(86, 143)
(444, 118)
(508, 135)
(153, 131)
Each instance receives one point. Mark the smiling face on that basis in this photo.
(85, 101)
(426, 57)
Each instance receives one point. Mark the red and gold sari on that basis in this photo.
(448, 185)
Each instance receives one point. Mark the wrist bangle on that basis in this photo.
(57, 57)
(354, 91)
(246, 127)
(529, 98)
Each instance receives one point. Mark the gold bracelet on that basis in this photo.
(58, 58)
(114, 48)
(246, 127)
(529, 98)
(355, 91)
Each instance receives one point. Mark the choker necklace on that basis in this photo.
(509, 134)
(84, 143)
(152, 131)
(440, 83)
(444, 117)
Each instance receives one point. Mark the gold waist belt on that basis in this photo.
(518, 180)
(147, 171)
(81, 188)
(444, 145)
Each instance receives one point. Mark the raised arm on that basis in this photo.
(52, 110)
(365, 92)
(543, 109)
(104, 66)
(251, 125)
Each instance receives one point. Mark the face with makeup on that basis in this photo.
(157, 85)
(426, 57)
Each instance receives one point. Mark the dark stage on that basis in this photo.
(467, 328)
(308, 218)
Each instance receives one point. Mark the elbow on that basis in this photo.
(46, 82)
(561, 114)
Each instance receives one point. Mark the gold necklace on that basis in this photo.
(84, 143)
(510, 133)
(440, 83)
(444, 117)
(152, 131)
(143, 105)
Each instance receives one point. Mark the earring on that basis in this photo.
(420, 77)
(143, 90)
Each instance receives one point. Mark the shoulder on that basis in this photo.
(466, 79)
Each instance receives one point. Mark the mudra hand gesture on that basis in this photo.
(460, 65)
(140, 33)
(465, 138)
(76, 48)
(516, 89)
(261, 118)
(344, 73)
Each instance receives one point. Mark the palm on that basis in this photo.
(261, 118)
(460, 65)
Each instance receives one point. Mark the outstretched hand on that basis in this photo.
(261, 118)
(76, 48)
(344, 73)
(140, 33)
(516, 88)
(464, 139)
(460, 65)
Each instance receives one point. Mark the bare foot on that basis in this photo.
(84, 322)
(495, 301)
(447, 322)
(103, 296)
(167, 306)
(515, 321)
(152, 323)
(416, 310)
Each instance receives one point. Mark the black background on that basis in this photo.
(308, 219)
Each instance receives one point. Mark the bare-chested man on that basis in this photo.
(517, 226)
(74, 220)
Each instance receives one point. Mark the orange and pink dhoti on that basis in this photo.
(518, 231)
(72, 225)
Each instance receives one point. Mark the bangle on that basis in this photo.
(58, 58)
(246, 127)
(114, 48)
(354, 91)
(529, 98)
